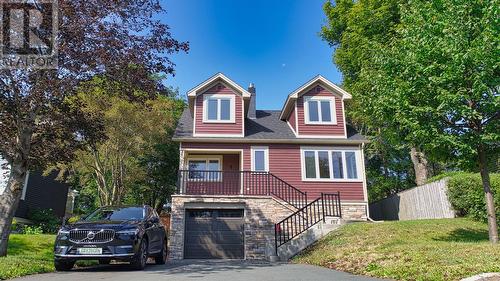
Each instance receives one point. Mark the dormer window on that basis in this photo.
(319, 110)
(218, 108)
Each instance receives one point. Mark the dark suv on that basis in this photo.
(131, 233)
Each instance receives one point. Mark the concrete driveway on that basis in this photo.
(216, 270)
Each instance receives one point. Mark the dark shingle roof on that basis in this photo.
(267, 126)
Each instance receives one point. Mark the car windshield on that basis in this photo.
(117, 214)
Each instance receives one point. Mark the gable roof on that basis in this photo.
(212, 80)
(287, 107)
(267, 126)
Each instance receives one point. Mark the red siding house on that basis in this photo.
(251, 181)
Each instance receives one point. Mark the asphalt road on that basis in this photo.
(203, 270)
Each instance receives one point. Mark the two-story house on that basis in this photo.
(252, 180)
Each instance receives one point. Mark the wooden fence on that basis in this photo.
(428, 201)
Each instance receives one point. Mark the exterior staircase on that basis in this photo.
(306, 226)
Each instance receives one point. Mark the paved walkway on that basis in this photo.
(216, 270)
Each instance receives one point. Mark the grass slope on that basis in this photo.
(446, 249)
(27, 254)
(30, 254)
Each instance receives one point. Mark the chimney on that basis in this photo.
(252, 106)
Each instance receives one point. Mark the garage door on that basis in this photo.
(214, 234)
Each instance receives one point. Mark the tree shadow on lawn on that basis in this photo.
(465, 235)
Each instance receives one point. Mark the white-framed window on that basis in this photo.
(218, 108)
(325, 164)
(260, 158)
(205, 168)
(320, 110)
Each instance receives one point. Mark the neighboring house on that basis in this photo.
(252, 180)
(39, 192)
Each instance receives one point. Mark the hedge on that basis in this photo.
(465, 191)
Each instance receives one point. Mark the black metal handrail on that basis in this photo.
(331, 204)
(287, 192)
(327, 205)
(298, 222)
(239, 183)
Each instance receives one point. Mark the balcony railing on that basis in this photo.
(239, 183)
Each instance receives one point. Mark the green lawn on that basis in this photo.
(27, 254)
(30, 254)
(446, 249)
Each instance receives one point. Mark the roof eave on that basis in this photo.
(247, 140)
(196, 90)
(295, 94)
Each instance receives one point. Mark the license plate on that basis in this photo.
(89, 251)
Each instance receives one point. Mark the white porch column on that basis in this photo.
(182, 166)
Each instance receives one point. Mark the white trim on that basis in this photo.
(319, 99)
(360, 174)
(296, 118)
(219, 97)
(343, 116)
(321, 136)
(206, 158)
(291, 128)
(238, 139)
(194, 119)
(197, 90)
(215, 136)
(25, 186)
(266, 157)
(242, 118)
(318, 79)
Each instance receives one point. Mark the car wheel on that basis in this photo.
(161, 258)
(63, 265)
(139, 262)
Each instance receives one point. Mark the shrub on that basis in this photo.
(15, 226)
(465, 191)
(46, 220)
(32, 229)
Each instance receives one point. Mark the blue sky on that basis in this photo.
(274, 44)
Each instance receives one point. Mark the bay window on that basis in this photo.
(330, 164)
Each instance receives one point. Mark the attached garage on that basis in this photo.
(214, 234)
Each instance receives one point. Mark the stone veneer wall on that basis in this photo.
(261, 213)
(354, 211)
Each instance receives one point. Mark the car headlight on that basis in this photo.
(128, 232)
(62, 233)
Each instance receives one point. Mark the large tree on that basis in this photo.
(357, 30)
(135, 130)
(38, 126)
(440, 79)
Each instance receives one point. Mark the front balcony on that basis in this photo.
(239, 183)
